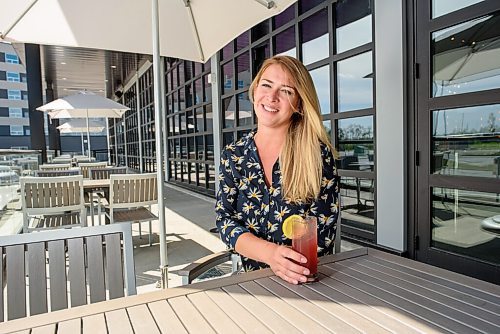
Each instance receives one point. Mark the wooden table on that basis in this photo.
(363, 290)
(96, 184)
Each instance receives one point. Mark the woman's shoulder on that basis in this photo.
(239, 146)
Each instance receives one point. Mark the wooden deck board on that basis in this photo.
(94, 324)
(73, 326)
(118, 322)
(189, 315)
(142, 320)
(165, 317)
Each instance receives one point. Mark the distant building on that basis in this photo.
(14, 121)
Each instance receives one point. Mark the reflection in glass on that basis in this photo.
(355, 82)
(227, 77)
(244, 109)
(305, 5)
(183, 148)
(200, 124)
(466, 57)
(227, 51)
(191, 148)
(209, 123)
(285, 43)
(242, 40)
(260, 30)
(357, 195)
(442, 7)
(200, 148)
(284, 17)
(353, 21)
(198, 91)
(466, 141)
(456, 223)
(355, 138)
(175, 101)
(208, 89)
(321, 79)
(328, 127)
(243, 71)
(314, 36)
(209, 147)
(211, 177)
(229, 105)
(227, 138)
(192, 173)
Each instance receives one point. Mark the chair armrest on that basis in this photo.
(198, 267)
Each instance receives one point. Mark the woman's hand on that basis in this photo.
(284, 261)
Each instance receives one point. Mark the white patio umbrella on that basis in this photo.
(186, 29)
(84, 105)
(80, 126)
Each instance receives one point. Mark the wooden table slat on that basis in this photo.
(447, 306)
(165, 317)
(48, 329)
(216, 317)
(142, 320)
(404, 299)
(73, 326)
(94, 324)
(261, 311)
(297, 296)
(189, 315)
(248, 323)
(469, 304)
(118, 322)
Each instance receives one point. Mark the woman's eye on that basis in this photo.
(266, 85)
(287, 92)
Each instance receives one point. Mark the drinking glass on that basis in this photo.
(305, 241)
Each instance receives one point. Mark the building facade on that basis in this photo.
(409, 94)
(14, 120)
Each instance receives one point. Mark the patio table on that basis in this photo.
(363, 290)
(90, 186)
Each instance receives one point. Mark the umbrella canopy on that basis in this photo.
(186, 29)
(83, 105)
(192, 30)
(80, 125)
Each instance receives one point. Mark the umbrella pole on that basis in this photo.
(159, 150)
(83, 145)
(88, 134)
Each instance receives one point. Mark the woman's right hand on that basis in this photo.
(284, 262)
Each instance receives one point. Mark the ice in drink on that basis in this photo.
(305, 241)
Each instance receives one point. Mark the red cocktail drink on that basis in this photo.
(305, 241)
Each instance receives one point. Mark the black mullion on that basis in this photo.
(354, 113)
(356, 51)
(356, 173)
(472, 183)
(464, 14)
(479, 98)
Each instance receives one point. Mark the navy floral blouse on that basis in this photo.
(246, 204)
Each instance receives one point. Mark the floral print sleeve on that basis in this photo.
(225, 208)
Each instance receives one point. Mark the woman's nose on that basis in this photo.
(272, 95)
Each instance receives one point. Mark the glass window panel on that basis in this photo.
(328, 127)
(466, 57)
(229, 111)
(314, 35)
(207, 97)
(211, 177)
(202, 175)
(456, 223)
(355, 139)
(184, 151)
(188, 71)
(11, 58)
(353, 22)
(207, 66)
(200, 148)
(442, 7)
(198, 91)
(175, 82)
(321, 79)
(208, 118)
(465, 141)
(260, 53)
(227, 77)
(357, 196)
(244, 109)
(193, 178)
(228, 50)
(15, 112)
(189, 96)
(176, 101)
(355, 82)
(260, 30)
(243, 40)
(190, 122)
(182, 98)
(284, 17)
(209, 144)
(241, 134)
(13, 77)
(305, 5)
(182, 123)
(285, 43)
(200, 124)
(191, 148)
(197, 69)
(243, 71)
(181, 72)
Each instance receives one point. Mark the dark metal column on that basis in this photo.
(35, 100)
(54, 136)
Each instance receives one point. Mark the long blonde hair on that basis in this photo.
(300, 157)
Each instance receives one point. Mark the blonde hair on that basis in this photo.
(300, 157)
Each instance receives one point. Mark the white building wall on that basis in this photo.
(390, 125)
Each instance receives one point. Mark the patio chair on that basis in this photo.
(129, 195)
(60, 160)
(86, 166)
(96, 262)
(200, 266)
(48, 172)
(64, 166)
(52, 202)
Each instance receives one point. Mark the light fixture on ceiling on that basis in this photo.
(63, 63)
(113, 66)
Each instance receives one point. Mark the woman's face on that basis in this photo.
(275, 98)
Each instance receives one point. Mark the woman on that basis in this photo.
(286, 167)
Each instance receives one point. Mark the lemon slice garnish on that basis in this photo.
(289, 224)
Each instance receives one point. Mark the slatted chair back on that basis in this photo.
(52, 202)
(132, 190)
(47, 173)
(86, 166)
(105, 173)
(60, 160)
(64, 166)
(87, 264)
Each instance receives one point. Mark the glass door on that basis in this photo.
(458, 135)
